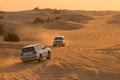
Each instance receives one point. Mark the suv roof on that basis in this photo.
(31, 45)
(60, 36)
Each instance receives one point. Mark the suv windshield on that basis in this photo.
(28, 49)
(59, 38)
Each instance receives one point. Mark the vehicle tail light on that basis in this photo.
(33, 52)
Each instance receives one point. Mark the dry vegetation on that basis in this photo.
(92, 51)
(11, 37)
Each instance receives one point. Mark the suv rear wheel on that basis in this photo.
(49, 55)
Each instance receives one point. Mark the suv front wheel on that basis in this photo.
(40, 58)
(54, 45)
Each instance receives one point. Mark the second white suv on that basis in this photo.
(59, 40)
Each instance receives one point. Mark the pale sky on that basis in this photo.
(17, 5)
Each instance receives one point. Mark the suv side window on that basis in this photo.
(42, 46)
(28, 49)
(59, 38)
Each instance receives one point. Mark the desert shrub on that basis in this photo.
(2, 31)
(36, 9)
(1, 17)
(55, 11)
(57, 18)
(38, 20)
(11, 37)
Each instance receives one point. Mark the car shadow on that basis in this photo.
(19, 66)
(55, 46)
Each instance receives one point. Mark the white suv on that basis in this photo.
(35, 52)
(59, 40)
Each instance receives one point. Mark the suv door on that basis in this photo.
(38, 49)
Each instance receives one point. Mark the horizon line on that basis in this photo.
(57, 9)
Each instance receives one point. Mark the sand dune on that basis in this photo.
(115, 19)
(91, 52)
(61, 25)
(76, 17)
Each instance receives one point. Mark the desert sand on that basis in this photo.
(92, 50)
